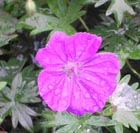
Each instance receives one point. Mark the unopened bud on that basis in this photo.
(30, 7)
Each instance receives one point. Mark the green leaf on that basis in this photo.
(73, 12)
(100, 2)
(60, 119)
(100, 121)
(107, 111)
(59, 7)
(126, 118)
(68, 128)
(26, 73)
(24, 119)
(9, 69)
(17, 81)
(87, 1)
(129, 49)
(7, 28)
(135, 85)
(30, 93)
(38, 21)
(119, 128)
(133, 51)
(2, 85)
(125, 79)
(15, 117)
(5, 109)
(119, 7)
(1, 120)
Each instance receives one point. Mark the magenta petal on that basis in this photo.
(82, 100)
(49, 60)
(82, 46)
(54, 52)
(100, 74)
(56, 44)
(55, 90)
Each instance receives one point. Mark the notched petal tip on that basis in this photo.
(40, 56)
(57, 35)
(99, 38)
(110, 57)
(82, 45)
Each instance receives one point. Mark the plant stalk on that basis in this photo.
(132, 69)
(84, 24)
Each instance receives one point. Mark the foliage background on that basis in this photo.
(25, 26)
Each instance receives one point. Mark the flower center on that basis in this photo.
(71, 68)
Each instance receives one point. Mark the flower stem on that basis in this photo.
(84, 24)
(132, 69)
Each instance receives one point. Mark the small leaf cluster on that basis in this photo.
(20, 92)
(124, 41)
(66, 122)
(59, 17)
(126, 101)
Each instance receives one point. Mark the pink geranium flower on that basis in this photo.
(75, 78)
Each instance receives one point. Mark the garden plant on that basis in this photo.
(69, 66)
